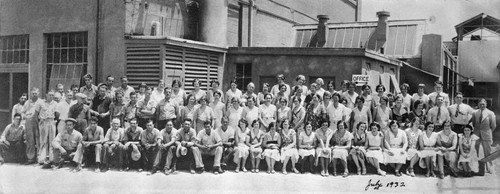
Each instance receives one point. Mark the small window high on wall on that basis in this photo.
(14, 49)
(66, 58)
(243, 75)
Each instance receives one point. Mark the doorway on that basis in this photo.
(13, 85)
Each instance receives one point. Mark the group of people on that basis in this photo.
(154, 128)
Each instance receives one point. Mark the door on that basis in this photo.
(12, 87)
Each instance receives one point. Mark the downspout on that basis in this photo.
(240, 25)
(98, 12)
(250, 22)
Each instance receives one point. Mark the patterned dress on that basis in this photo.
(314, 116)
(287, 140)
(412, 142)
(340, 139)
(253, 139)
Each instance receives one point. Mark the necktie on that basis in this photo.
(438, 114)
(458, 110)
(480, 115)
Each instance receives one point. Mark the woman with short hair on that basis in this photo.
(358, 150)
(447, 144)
(382, 113)
(178, 94)
(271, 143)
(283, 112)
(413, 133)
(360, 113)
(315, 112)
(307, 146)
(397, 141)
(202, 114)
(197, 92)
(267, 112)
(250, 111)
(468, 159)
(262, 95)
(254, 143)
(323, 152)
(241, 149)
(234, 112)
(288, 146)
(428, 149)
(340, 143)
(374, 146)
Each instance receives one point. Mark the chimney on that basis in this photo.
(322, 32)
(378, 38)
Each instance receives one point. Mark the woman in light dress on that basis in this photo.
(307, 144)
(178, 94)
(374, 146)
(187, 112)
(360, 113)
(413, 133)
(271, 143)
(358, 150)
(241, 149)
(447, 143)
(218, 108)
(197, 91)
(340, 143)
(283, 112)
(254, 143)
(288, 146)
(250, 111)
(428, 149)
(396, 155)
(382, 113)
(267, 112)
(202, 114)
(323, 152)
(468, 159)
(214, 87)
(233, 92)
(234, 112)
(336, 111)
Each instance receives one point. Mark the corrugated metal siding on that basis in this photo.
(401, 42)
(143, 64)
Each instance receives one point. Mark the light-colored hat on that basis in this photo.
(81, 95)
(136, 154)
(184, 151)
(71, 119)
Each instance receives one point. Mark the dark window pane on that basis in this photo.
(71, 56)
(84, 55)
(79, 41)
(69, 72)
(50, 55)
(24, 42)
(16, 42)
(57, 56)
(16, 57)
(71, 40)
(50, 41)
(22, 57)
(4, 87)
(2, 43)
(57, 41)
(64, 55)
(85, 39)
(10, 45)
(79, 55)
(27, 56)
(4, 57)
(10, 56)
(64, 40)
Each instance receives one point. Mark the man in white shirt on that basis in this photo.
(438, 91)
(460, 114)
(227, 135)
(209, 143)
(420, 95)
(62, 111)
(438, 114)
(126, 89)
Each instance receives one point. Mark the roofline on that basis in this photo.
(475, 17)
(367, 22)
(340, 52)
(179, 42)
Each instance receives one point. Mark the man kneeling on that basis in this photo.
(208, 143)
(68, 146)
(12, 141)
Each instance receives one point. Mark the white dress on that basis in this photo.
(287, 139)
(397, 147)
(428, 142)
(251, 114)
(241, 149)
(256, 152)
(305, 139)
(336, 140)
(468, 149)
(234, 116)
(272, 153)
(267, 113)
(412, 142)
(374, 141)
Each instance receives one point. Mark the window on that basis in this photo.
(243, 75)
(14, 49)
(66, 58)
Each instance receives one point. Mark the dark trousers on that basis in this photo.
(12, 152)
(226, 154)
(149, 156)
(128, 158)
(457, 128)
(103, 122)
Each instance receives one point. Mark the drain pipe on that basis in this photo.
(250, 21)
(98, 12)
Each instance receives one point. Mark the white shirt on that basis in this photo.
(433, 96)
(463, 116)
(63, 109)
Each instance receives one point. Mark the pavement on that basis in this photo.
(16, 178)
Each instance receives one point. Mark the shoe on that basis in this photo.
(381, 172)
(284, 172)
(244, 169)
(268, 172)
(272, 171)
(334, 173)
(166, 172)
(253, 170)
(127, 168)
(432, 174)
(98, 170)
(363, 171)
(78, 168)
(139, 170)
(192, 171)
(58, 166)
(216, 172)
(154, 170)
(237, 170)
(441, 176)
(295, 171)
(346, 173)
(397, 173)
(201, 170)
(359, 171)
(256, 170)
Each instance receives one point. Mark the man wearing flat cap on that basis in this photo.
(68, 146)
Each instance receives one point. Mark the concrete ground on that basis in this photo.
(15, 178)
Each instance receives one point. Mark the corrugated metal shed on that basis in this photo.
(405, 36)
